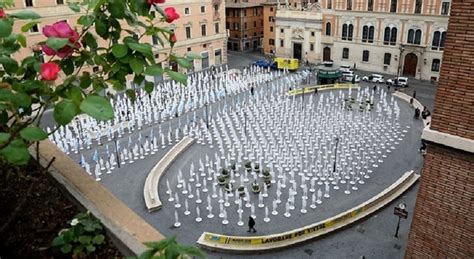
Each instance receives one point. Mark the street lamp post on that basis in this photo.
(116, 152)
(398, 68)
(207, 116)
(401, 212)
(335, 155)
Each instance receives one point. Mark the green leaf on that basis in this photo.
(141, 47)
(90, 41)
(33, 133)
(6, 28)
(66, 249)
(90, 248)
(148, 254)
(4, 137)
(67, 66)
(86, 20)
(117, 85)
(58, 241)
(136, 65)
(65, 111)
(21, 39)
(178, 77)
(193, 55)
(85, 239)
(119, 50)
(56, 43)
(184, 63)
(25, 15)
(149, 87)
(154, 70)
(75, 7)
(16, 152)
(29, 25)
(131, 94)
(10, 65)
(97, 107)
(99, 239)
(117, 8)
(101, 27)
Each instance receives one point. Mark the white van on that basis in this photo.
(345, 68)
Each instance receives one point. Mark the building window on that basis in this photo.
(329, 4)
(271, 9)
(390, 36)
(34, 29)
(216, 27)
(255, 24)
(216, 7)
(245, 13)
(271, 28)
(271, 19)
(393, 6)
(349, 4)
(370, 5)
(368, 33)
(438, 40)
(345, 53)
(255, 12)
(28, 3)
(245, 25)
(418, 5)
(414, 36)
(365, 56)
(186, 10)
(312, 34)
(271, 42)
(311, 47)
(254, 34)
(154, 39)
(236, 26)
(188, 32)
(59, 2)
(347, 31)
(227, 25)
(435, 65)
(387, 57)
(328, 29)
(203, 8)
(445, 8)
(282, 43)
(203, 30)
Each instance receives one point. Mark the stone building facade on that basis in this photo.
(244, 21)
(443, 221)
(403, 37)
(200, 29)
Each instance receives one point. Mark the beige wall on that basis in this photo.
(212, 42)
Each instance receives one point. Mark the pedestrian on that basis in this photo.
(423, 147)
(417, 113)
(425, 113)
(251, 225)
(251, 90)
(411, 101)
(374, 88)
(315, 91)
(388, 87)
(414, 94)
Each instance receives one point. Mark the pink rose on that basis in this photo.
(150, 2)
(61, 30)
(2, 13)
(171, 14)
(49, 71)
(172, 39)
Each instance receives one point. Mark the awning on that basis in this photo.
(333, 74)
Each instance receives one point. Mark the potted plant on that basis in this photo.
(255, 187)
(225, 172)
(241, 191)
(221, 180)
(267, 175)
(248, 166)
(257, 168)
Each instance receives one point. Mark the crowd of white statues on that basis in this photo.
(270, 154)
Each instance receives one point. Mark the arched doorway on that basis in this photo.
(409, 67)
(326, 54)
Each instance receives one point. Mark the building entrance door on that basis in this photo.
(409, 67)
(326, 54)
(297, 49)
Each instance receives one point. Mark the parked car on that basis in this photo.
(345, 68)
(402, 81)
(373, 78)
(264, 64)
(348, 76)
